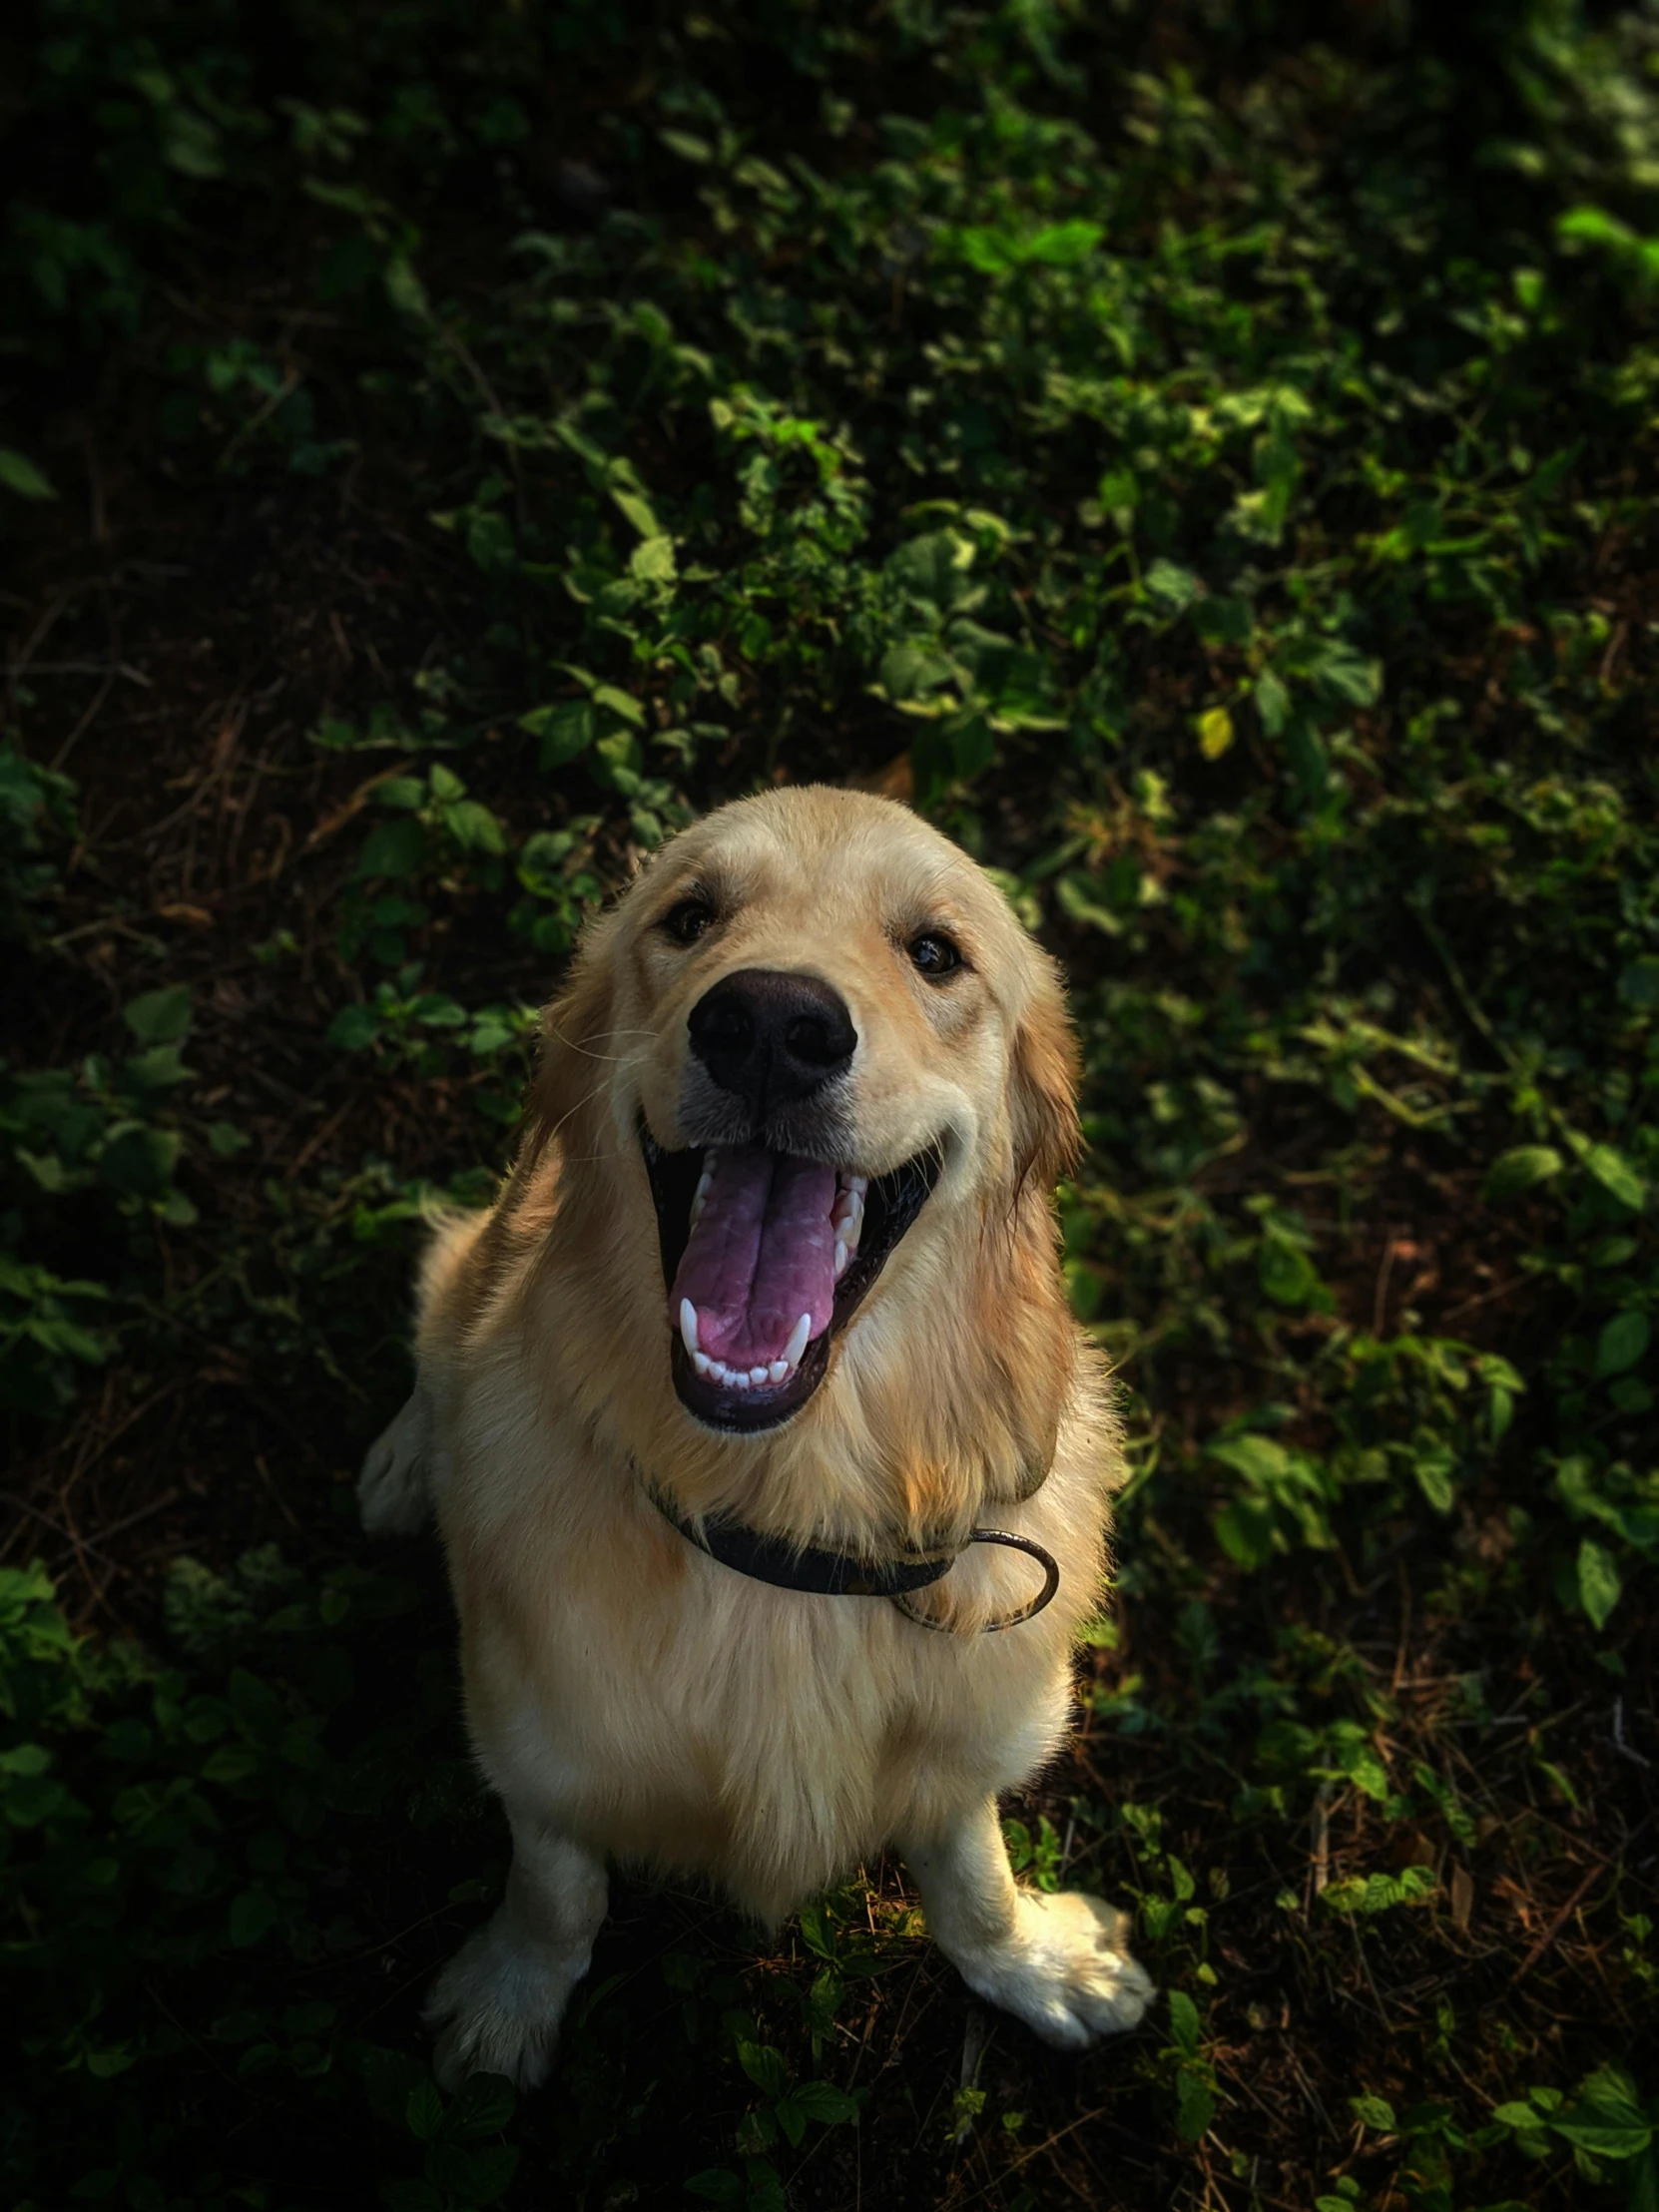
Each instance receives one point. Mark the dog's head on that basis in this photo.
(814, 1031)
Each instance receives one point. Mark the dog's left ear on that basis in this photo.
(576, 1043)
(1047, 1066)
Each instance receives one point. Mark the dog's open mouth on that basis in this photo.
(765, 1256)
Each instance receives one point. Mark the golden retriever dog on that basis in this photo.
(767, 1322)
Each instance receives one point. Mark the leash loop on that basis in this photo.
(1051, 1583)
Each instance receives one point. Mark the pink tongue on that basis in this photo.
(763, 1253)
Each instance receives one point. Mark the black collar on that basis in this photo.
(819, 1573)
(808, 1567)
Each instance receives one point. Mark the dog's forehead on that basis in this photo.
(820, 851)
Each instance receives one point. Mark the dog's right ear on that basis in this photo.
(577, 1048)
(1046, 1067)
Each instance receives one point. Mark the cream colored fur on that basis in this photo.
(628, 1698)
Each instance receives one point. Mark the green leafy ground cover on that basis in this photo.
(1203, 456)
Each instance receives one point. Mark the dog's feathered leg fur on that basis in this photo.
(502, 1997)
(1056, 1961)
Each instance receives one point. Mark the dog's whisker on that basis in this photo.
(586, 1051)
(570, 1113)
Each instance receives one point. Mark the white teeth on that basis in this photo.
(857, 1185)
(848, 1219)
(700, 1195)
(746, 1379)
(840, 1259)
(688, 1326)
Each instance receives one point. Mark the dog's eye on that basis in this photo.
(934, 954)
(686, 923)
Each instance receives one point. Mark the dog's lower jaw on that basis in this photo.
(1058, 1963)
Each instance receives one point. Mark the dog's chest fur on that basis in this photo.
(672, 1712)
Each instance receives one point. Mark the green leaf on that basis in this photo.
(1366, 1895)
(1175, 588)
(765, 2067)
(141, 1161)
(1184, 2026)
(652, 560)
(423, 2110)
(472, 2177)
(159, 1017)
(563, 731)
(1215, 733)
(715, 2185)
(990, 251)
(411, 2197)
(1258, 1458)
(1195, 2105)
(1603, 2136)
(1517, 2115)
(1600, 1586)
(640, 514)
(1347, 676)
(253, 1915)
(157, 1070)
(1514, 1172)
(20, 475)
(485, 2105)
(1286, 1272)
(473, 827)
(1062, 245)
(821, 2100)
(912, 671)
(1273, 703)
(934, 568)
(354, 1028)
(620, 703)
(404, 288)
(1375, 2112)
(389, 2079)
(1245, 1532)
(1639, 983)
(1621, 1343)
(1435, 1465)
(1606, 1165)
(394, 849)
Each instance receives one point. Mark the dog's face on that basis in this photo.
(824, 1034)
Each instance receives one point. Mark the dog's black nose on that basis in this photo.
(771, 1037)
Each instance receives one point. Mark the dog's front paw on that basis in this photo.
(1064, 1970)
(392, 1498)
(498, 2005)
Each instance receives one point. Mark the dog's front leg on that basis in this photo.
(1058, 1963)
(505, 1992)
